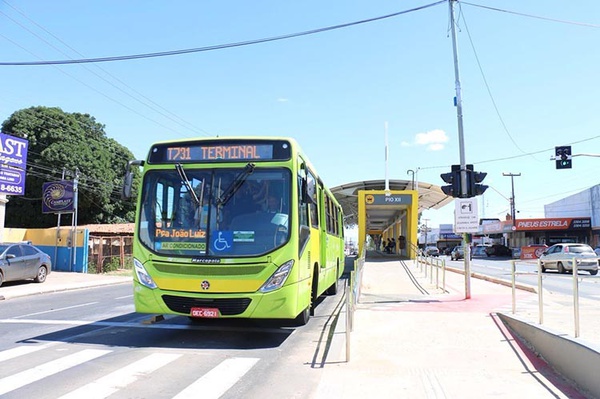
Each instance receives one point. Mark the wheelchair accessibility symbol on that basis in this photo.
(222, 241)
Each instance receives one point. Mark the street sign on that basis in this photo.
(382, 199)
(466, 216)
(13, 160)
(58, 197)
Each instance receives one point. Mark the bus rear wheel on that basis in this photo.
(333, 289)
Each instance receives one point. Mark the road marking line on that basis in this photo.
(216, 382)
(37, 373)
(111, 383)
(57, 310)
(160, 326)
(19, 351)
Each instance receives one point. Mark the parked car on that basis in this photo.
(498, 250)
(457, 253)
(432, 251)
(22, 261)
(560, 257)
(479, 250)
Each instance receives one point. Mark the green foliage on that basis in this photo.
(69, 141)
(112, 265)
(92, 268)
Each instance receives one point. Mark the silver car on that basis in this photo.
(22, 261)
(560, 257)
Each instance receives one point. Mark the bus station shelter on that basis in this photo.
(392, 213)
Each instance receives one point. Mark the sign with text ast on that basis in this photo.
(13, 162)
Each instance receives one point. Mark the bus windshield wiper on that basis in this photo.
(235, 185)
(187, 183)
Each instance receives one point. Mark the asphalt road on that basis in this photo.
(91, 343)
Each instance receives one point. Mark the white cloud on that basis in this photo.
(434, 140)
(282, 100)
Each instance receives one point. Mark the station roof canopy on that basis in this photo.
(430, 197)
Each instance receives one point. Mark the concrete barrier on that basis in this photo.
(575, 359)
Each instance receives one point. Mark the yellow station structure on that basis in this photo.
(393, 213)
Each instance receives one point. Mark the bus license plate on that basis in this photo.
(210, 313)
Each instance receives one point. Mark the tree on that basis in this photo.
(71, 142)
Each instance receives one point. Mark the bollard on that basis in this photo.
(348, 322)
(575, 297)
(444, 274)
(437, 273)
(513, 269)
(540, 290)
(430, 270)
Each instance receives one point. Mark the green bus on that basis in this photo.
(237, 227)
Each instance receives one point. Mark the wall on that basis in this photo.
(576, 205)
(57, 246)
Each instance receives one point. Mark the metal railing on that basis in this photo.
(352, 297)
(434, 263)
(540, 289)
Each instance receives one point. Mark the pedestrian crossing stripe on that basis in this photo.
(16, 381)
(111, 383)
(211, 385)
(217, 381)
(20, 351)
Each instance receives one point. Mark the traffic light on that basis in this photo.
(453, 189)
(473, 179)
(563, 157)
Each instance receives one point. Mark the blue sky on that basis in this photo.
(528, 84)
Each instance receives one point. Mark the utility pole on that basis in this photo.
(74, 219)
(461, 146)
(512, 197)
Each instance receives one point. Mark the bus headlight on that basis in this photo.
(142, 275)
(278, 278)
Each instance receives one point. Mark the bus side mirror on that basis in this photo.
(128, 178)
(309, 193)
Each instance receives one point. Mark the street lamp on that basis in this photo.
(412, 172)
(512, 198)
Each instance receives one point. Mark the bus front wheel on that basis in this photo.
(303, 317)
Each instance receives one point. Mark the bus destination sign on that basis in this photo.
(220, 152)
(188, 152)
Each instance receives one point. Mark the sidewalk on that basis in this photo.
(410, 344)
(59, 281)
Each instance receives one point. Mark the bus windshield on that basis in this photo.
(231, 212)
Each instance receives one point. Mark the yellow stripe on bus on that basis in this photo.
(209, 285)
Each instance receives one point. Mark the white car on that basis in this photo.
(432, 251)
(560, 257)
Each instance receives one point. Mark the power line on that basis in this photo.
(218, 46)
(489, 90)
(551, 149)
(562, 21)
(152, 105)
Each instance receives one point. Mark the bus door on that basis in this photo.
(322, 229)
(315, 191)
